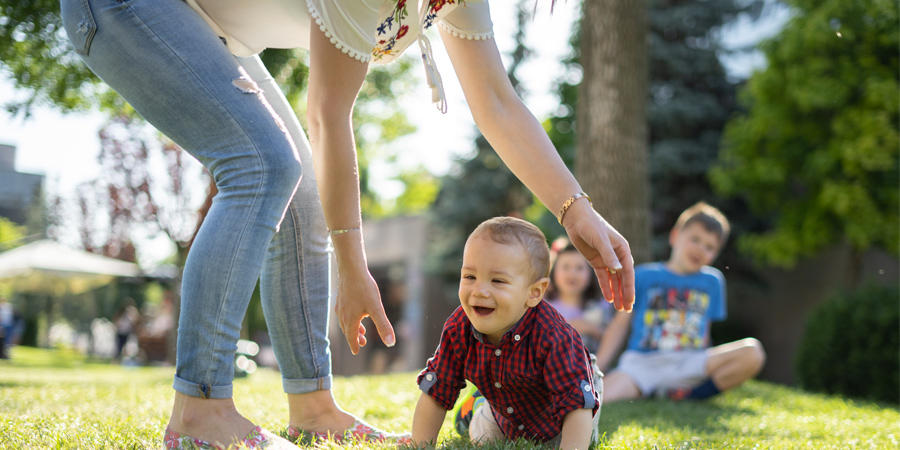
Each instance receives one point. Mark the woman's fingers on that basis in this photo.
(351, 333)
(351, 315)
(627, 280)
(384, 327)
(608, 253)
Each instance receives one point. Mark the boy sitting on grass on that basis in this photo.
(675, 303)
(528, 363)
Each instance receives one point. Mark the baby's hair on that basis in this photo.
(709, 217)
(509, 230)
(592, 292)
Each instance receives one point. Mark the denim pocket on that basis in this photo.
(79, 24)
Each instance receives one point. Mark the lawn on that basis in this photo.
(54, 400)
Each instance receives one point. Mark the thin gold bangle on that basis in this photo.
(569, 202)
(342, 231)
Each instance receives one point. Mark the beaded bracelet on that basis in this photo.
(342, 231)
(569, 202)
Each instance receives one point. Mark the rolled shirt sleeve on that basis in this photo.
(569, 377)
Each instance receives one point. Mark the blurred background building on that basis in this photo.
(18, 191)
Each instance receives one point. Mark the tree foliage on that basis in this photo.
(11, 235)
(817, 150)
(35, 51)
(130, 198)
(850, 345)
(688, 102)
(477, 187)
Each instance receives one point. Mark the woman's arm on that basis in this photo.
(524, 146)
(334, 82)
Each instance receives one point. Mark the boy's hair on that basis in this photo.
(509, 230)
(709, 217)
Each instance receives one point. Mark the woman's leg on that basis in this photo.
(295, 287)
(163, 58)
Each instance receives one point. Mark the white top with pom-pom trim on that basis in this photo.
(365, 30)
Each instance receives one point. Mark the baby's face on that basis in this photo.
(496, 286)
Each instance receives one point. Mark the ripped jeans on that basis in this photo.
(265, 223)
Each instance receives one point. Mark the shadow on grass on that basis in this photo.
(700, 416)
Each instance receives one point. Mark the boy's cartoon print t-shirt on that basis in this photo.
(672, 312)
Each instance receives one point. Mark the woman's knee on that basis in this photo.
(286, 174)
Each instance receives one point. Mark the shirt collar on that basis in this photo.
(518, 331)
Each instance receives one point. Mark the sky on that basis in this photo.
(64, 146)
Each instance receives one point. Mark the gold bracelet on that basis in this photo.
(345, 230)
(569, 202)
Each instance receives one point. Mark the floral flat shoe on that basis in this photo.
(360, 431)
(259, 438)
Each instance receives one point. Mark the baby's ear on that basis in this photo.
(536, 292)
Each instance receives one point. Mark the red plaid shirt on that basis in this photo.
(538, 374)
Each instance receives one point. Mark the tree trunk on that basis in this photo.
(611, 157)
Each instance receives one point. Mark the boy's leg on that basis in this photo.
(727, 366)
(484, 427)
(730, 365)
(619, 386)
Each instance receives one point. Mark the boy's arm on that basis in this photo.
(613, 339)
(576, 430)
(427, 421)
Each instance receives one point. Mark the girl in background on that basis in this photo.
(575, 293)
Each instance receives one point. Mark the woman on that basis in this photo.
(216, 101)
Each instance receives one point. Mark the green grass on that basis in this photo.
(59, 401)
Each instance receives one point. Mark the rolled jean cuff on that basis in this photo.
(306, 385)
(192, 389)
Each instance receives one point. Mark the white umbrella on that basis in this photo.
(48, 267)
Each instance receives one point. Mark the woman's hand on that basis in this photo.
(358, 297)
(606, 251)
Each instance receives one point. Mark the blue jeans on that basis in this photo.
(228, 113)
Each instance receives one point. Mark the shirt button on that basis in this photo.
(517, 337)
(509, 410)
(586, 388)
(429, 377)
(497, 352)
(521, 427)
(498, 385)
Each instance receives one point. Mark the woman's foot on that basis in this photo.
(214, 421)
(315, 417)
(259, 438)
(359, 431)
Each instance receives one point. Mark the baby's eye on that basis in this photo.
(497, 280)
(468, 277)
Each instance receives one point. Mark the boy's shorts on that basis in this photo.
(664, 370)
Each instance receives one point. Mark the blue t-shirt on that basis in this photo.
(672, 312)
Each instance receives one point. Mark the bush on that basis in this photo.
(851, 346)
